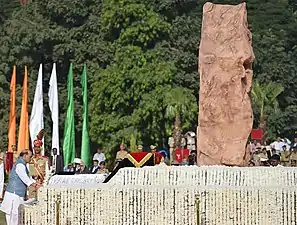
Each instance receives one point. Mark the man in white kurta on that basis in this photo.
(15, 193)
(1, 174)
(100, 156)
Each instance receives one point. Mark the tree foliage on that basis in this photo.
(129, 94)
(53, 31)
(137, 52)
(265, 99)
(181, 106)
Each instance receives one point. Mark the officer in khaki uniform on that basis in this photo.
(102, 169)
(37, 169)
(259, 154)
(285, 156)
(122, 153)
(293, 156)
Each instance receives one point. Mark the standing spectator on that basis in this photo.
(99, 156)
(95, 167)
(139, 148)
(293, 156)
(277, 145)
(285, 156)
(102, 169)
(252, 146)
(259, 154)
(294, 143)
(192, 158)
(56, 162)
(153, 149)
(158, 157)
(122, 153)
(287, 143)
(275, 160)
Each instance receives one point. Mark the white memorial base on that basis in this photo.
(168, 196)
(80, 179)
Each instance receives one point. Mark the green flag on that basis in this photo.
(69, 130)
(85, 142)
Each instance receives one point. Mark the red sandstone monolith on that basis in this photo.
(225, 67)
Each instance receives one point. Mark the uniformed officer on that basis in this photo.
(37, 168)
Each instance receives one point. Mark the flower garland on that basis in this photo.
(137, 205)
(207, 175)
(227, 196)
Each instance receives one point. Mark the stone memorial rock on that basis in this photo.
(225, 67)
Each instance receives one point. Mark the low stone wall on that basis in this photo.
(165, 205)
(207, 175)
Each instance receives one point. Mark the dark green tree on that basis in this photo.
(54, 31)
(181, 107)
(265, 99)
(128, 97)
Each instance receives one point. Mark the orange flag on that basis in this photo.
(12, 115)
(23, 142)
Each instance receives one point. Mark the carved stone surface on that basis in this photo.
(225, 67)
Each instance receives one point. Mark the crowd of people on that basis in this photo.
(281, 152)
(29, 169)
(78, 167)
(99, 161)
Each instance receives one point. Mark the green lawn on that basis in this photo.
(2, 219)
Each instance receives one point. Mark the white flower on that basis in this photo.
(167, 195)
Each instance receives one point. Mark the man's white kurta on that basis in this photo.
(11, 201)
(1, 179)
(99, 156)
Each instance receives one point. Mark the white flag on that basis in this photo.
(54, 107)
(36, 119)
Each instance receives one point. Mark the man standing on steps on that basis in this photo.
(37, 169)
(19, 181)
(57, 163)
